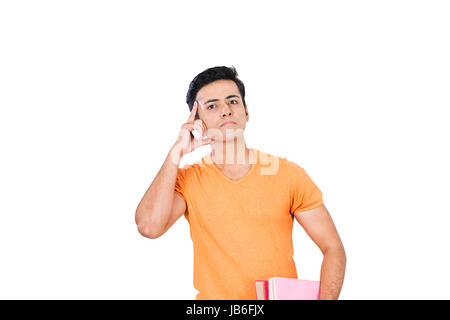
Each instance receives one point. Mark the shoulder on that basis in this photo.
(266, 158)
(294, 166)
(192, 168)
(282, 165)
(274, 163)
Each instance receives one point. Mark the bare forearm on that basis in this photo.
(332, 273)
(155, 206)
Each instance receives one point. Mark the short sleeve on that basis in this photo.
(180, 182)
(304, 194)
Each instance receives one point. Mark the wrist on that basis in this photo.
(176, 153)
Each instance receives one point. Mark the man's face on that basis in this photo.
(220, 102)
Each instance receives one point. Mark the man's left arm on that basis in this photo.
(320, 228)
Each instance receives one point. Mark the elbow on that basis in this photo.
(336, 248)
(147, 231)
(145, 227)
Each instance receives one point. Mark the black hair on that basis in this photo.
(210, 75)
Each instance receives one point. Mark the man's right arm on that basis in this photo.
(161, 206)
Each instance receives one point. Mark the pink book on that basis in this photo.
(262, 289)
(278, 288)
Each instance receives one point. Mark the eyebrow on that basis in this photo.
(230, 96)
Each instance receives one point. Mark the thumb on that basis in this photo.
(206, 141)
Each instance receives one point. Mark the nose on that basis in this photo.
(226, 110)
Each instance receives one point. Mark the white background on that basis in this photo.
(92, 96)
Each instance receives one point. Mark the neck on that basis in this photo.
(231, 153)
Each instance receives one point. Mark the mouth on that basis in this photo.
(227, 123)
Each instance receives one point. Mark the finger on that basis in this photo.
(203, 142)
(199, 128)
(206, 141)
(188, 126)
(190, 129)
(196, 134)
(204, 128)
(193, 112)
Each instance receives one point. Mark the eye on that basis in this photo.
(211, 105)
(235, 101)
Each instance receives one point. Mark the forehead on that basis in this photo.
(218, 89)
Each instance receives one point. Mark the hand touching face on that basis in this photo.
(186, 140)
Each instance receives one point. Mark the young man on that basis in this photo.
(240, 203)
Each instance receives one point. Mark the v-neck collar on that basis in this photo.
(208, 161)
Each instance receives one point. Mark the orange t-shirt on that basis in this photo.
(242, 230)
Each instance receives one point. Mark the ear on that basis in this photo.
(246, 112)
